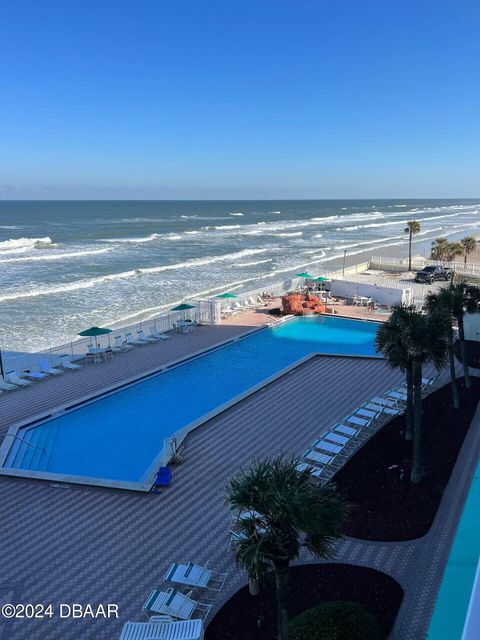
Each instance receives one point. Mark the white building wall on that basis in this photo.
(471, 324)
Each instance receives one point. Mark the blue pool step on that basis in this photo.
(33, 450)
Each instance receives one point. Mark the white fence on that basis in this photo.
(401, 264)
(379, 294)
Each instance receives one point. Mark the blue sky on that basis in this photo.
(239, 99)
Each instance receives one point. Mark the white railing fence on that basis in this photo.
(401, 264)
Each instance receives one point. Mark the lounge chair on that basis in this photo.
(386, 402)
(144, 338)
(7, 386)
(360, 422)
(157, 335)
(46, 368)
(324, 445)
(337, 438)
(69, 366)
(35, 374)
(389, 411)
(134, 341)
(120, 345)
(366, 413)
(397, 395)
(314, 469)
(163, 630)
(344, 430)
(316, 456)
(175, 604)
(194, 575)
(13, 378)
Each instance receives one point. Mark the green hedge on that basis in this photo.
(335, 621)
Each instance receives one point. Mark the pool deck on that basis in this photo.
(92, 545)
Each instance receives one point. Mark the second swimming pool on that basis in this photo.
(118, 437)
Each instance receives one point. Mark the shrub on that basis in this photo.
(335, 621)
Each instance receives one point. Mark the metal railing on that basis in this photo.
(401, 264)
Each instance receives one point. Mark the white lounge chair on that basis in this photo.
(7, 386)
(163, 630)
(46, 368)
(156, 334)
(314, 469)
(35, 373)
(133, 341)
(366, 413)
(120, 345)
(344, 430)
(144, 338)
(397, 395)
(173, 603)
(360, 422)
(316, 456)
(337, 438)
(389, 411)
(13, 378)
(324, 445)
(194, 575)
(66, 364)
(386, 402)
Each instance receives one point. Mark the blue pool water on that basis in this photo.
(119, 436)
(454, 596)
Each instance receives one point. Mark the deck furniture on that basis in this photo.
(35, 374)
(194, 575)
(134, 342)
(314, 470)
(144, 338)
(389, 411)
(175, 604)
(163, 630)
(360, 422)
(366, 413)
(324, 445)
(343, 429)
(336, 438)
(7, 386)
(46, 368)
(316, 456)
(397, 395)
(121, 345)
(67, 364)
(13, 378)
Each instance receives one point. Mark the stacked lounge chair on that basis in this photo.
(165, 629)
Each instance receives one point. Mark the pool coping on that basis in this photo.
(145, 485)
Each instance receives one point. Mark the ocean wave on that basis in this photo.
(236, 213)
(92, 282)
(395, 222)
(56, 256)
(251, 264)
(12, 245)
(222, 227)
(189, 217)
(150, 238)
(288, 234)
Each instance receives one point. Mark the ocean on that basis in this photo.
(65, 266)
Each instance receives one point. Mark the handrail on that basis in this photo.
(34, 446)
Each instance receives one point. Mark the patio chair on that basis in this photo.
(316, 456)
(344, 430)
(66, 364)
(337, 438)
(163, 630)
(195, 575)
(7, 386)
(367, 413)
(130, 339)
(324, 445)
(46, 368)
(35, 373)
(120, 345)
(360, 422)
(13, 378)
(314, 470)
(176, 604)
(144, 338)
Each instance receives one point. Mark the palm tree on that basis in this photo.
(454, 249)
(412, 228)
(439, 249)
(422, 336)
(390, 341)
(289, 509)
(469, 244)
(443, 302)
(465, 299)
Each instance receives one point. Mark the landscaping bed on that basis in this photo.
(384, 504)
(246, 617)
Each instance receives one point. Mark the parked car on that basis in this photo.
(429, 274)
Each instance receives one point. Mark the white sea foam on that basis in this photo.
(14, 244)
(56, 256)
(251, 264)
(92, 282)
(237, 213)
(150, 238)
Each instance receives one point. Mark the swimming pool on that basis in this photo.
(117, 439)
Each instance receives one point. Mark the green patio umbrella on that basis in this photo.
(303, 275)
(226, 295)
(94, 332)
(321, 279)
(183, 307)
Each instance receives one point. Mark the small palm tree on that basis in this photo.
(412, 228)
(469, 244)
(454, 249)
(392, 343)
(439, 249)
(443, 302)
(465, 299)
(289, 509)
(422, 336)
